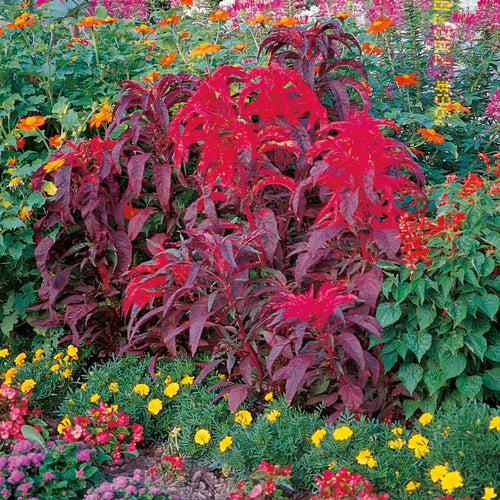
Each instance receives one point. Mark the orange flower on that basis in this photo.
(218, 15)
(104, 115)
(24, 213)
(2, 32)
(168, 59)
(169, 20)
(184, 34)
(406, 79)
(371, 49)
(22, 21)
(91, 22)
(11, 161)
(143, 28)
(343, 15)
(287, 22)
(186, 2)
(240, 47)
(52, 166)
(55, 141)
(259, 19)
(368, 87)
(381, 24)
(154, 75)
(455, 107)
(430, 135)
(31, 122)
(205, 48)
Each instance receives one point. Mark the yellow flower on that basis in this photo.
(20, 359)
(419, 444)
(365, 457)
(28, 385)
(72, 352)
(243, 417)
(168, 380)
(222, 376)
(397, 431)
(273, 415)
(172, 389)
(9, 376)
(332, 465)
(396, 444)
(202, 437)
(67, 373)
(84, 386)
(438, 472)
(412, 486)
(495, 423)
(489, 493)
(64, 424)
(39, 354)
(113, 387)
(155, 406)
(53, 165)
(342, 433)
(94, 398)
(4, 353)
(268, 396)
(14, 182)
(141, 389)
(104, 115)
(187, 380)
(224, 443)
(425, 418)
(58, 356)
(318, 436)
(55, 368)
(205, 48)
(451, 481)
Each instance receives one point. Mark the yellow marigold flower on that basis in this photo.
(172, 389)
(342, 433)
(318, 436)
(28, 385)
(141, 389)
(240, 47)
(268, 396)
(67, 373)
(64, 424)
(243, 417)
(397, 431)
(20, 359)
(167, 380)
(155, 406)
(365, 457)
(72, 352)
(451, 481)
(55, 368)
(425, 418)
(58, 356)
(94, 398)
(419, 445)
(202, 437)
(225, 443)
(113, 387)
(9, 376)
(273, 415)
(84, 386)
(187, 380)
(412, 486)
(495, 423)
(14, 182)
(205, 48)
(438, 472)
(222, 376)
(39, 354)
(489, 493)
(4, 353)
(396, 444)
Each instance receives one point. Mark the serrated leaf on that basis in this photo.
(418, 342)
(491, 379)
(388, 313)
(488, 304)
(411, 375)
(469, 386)
(425, 316)
(452, 366)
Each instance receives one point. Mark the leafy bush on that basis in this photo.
(440, 316)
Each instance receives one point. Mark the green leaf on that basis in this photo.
(425, 316)
(476, 343)
(32, 435)
(469, 386)
(491, 379)
(390, 360)
(411, 375)
(388, 313)
(458, 311)
(410, 406)
(452, 366)
(488, 304)
(12, 223)
(493, 352)
(418, 342)
(434, 380)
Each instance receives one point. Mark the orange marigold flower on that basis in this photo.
(259, 19)
(169, 20)
(52, 166)
(371, 49)
(55, 141)
(168, 59)
(22, 21)
(287, 22)
(90, 22)
(11, 161)
(184, 34)
(104, 115)
(430, 135)
(455, 107)
(218, 15)
(343, 14)
(240, 47)
(24, 213)
(381, 24)
(154, 75)
(406, 79)
(143, 28)
(31, 122)
(205, 48)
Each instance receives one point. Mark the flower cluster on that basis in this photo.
(170, 470)
(105, 428)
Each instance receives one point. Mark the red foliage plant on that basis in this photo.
(271, 216)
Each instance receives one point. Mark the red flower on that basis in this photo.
(176, 461)
(103, 437)
(406, 79)
(472, 183)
